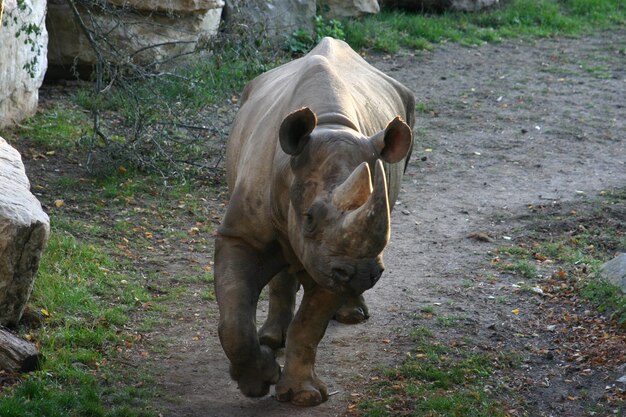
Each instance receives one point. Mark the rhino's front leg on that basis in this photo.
(241, 272)
(299, 383)
(283, 289)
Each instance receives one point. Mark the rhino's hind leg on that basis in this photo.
(353, 311)
(299, 383)
(282, 292)
(240, 274)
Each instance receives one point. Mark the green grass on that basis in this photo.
(524, 268)
(449, 320)
(86, 308)
(391, 30)
(434, 380)
(58, 128)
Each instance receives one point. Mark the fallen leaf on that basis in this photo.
(516, 311)
(45, 312)
(481, 237)
(59, 203)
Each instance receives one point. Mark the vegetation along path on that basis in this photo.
(489, 305)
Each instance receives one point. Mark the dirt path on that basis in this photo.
(499, 127)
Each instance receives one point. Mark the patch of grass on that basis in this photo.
(597, 71)
(522, 267)
(607, 298)
(428, 309)
(58, 128)
(449, 320)
(424, 107)
(301, 40)
(86, 307)
(434, 380)
(421, 333)
(391, 30)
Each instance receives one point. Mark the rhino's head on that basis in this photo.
(338, 218)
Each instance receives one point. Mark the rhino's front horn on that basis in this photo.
(371, 221)
(355, 190)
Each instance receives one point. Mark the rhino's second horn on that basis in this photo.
(373, 216)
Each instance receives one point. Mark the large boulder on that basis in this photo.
(348, 8)
(137, 31)
(439, 5)
(23, 62)
(24, 231)
(277, 17)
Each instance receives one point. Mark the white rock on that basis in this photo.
(24, 231)
(19, 87)
(143, 31)
(185, 6)
(278, 17)
(349, 8)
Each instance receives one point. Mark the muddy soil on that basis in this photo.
(499, 127)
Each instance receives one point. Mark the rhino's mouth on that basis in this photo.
(346, 278)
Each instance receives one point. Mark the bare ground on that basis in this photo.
(499, 128)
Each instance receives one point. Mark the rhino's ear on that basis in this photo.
(393, 143)
(295, 129)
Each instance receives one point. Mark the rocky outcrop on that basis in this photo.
(439, 5)
(615, 271)
(348, 8)
(137, 31)
(277, 17)
(24, 230)
(23, 59)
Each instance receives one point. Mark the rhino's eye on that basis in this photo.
(309, 222)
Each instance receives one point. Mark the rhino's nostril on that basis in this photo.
(341, 275)
(376, 274)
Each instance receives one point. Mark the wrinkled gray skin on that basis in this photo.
(309, 205)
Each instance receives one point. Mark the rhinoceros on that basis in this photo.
(314, 163)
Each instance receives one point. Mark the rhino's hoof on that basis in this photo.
(272, 335)
(254, 380)
(351, 315)
(307, 396)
